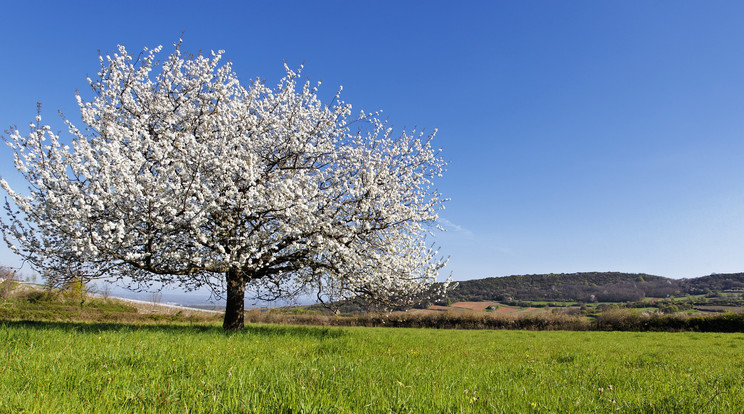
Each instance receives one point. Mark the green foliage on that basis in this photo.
(624, 319)
(76, 367)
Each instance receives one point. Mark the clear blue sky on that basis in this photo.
(580, 135)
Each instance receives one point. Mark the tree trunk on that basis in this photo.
(235, 307)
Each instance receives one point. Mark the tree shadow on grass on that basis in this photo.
(252, 329)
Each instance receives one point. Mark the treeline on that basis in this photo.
(589, 287)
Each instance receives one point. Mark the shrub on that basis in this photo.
(619, 319)
(76, 290)
(728, 322)
(40, 296)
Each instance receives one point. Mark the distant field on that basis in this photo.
(476, 306)
(55, 367)
(572, 307)
(484, 307)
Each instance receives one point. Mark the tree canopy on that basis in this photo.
(183, 175)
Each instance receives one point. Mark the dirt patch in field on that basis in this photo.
(736, 309)
(532, 310)
(505, 309)
(476, 306)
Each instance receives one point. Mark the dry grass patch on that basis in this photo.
(476, 306)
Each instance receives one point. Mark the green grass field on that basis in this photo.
(74, 367)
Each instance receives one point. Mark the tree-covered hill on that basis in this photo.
(715, 282)
(589, 287)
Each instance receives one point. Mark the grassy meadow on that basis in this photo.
(62, 366)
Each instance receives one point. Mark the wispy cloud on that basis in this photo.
(450, 226)
(469, 238)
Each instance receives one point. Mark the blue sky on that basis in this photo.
(580, 135)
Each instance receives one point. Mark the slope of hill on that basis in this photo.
(589, 287)
(716, 282)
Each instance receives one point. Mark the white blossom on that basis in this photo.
(183, 175)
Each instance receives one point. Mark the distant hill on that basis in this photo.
(589, 287)
(717, 282)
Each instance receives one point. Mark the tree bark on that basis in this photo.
(235, 307)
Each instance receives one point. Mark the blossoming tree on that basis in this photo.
(184, 176)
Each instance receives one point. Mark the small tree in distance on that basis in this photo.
(184, 176)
